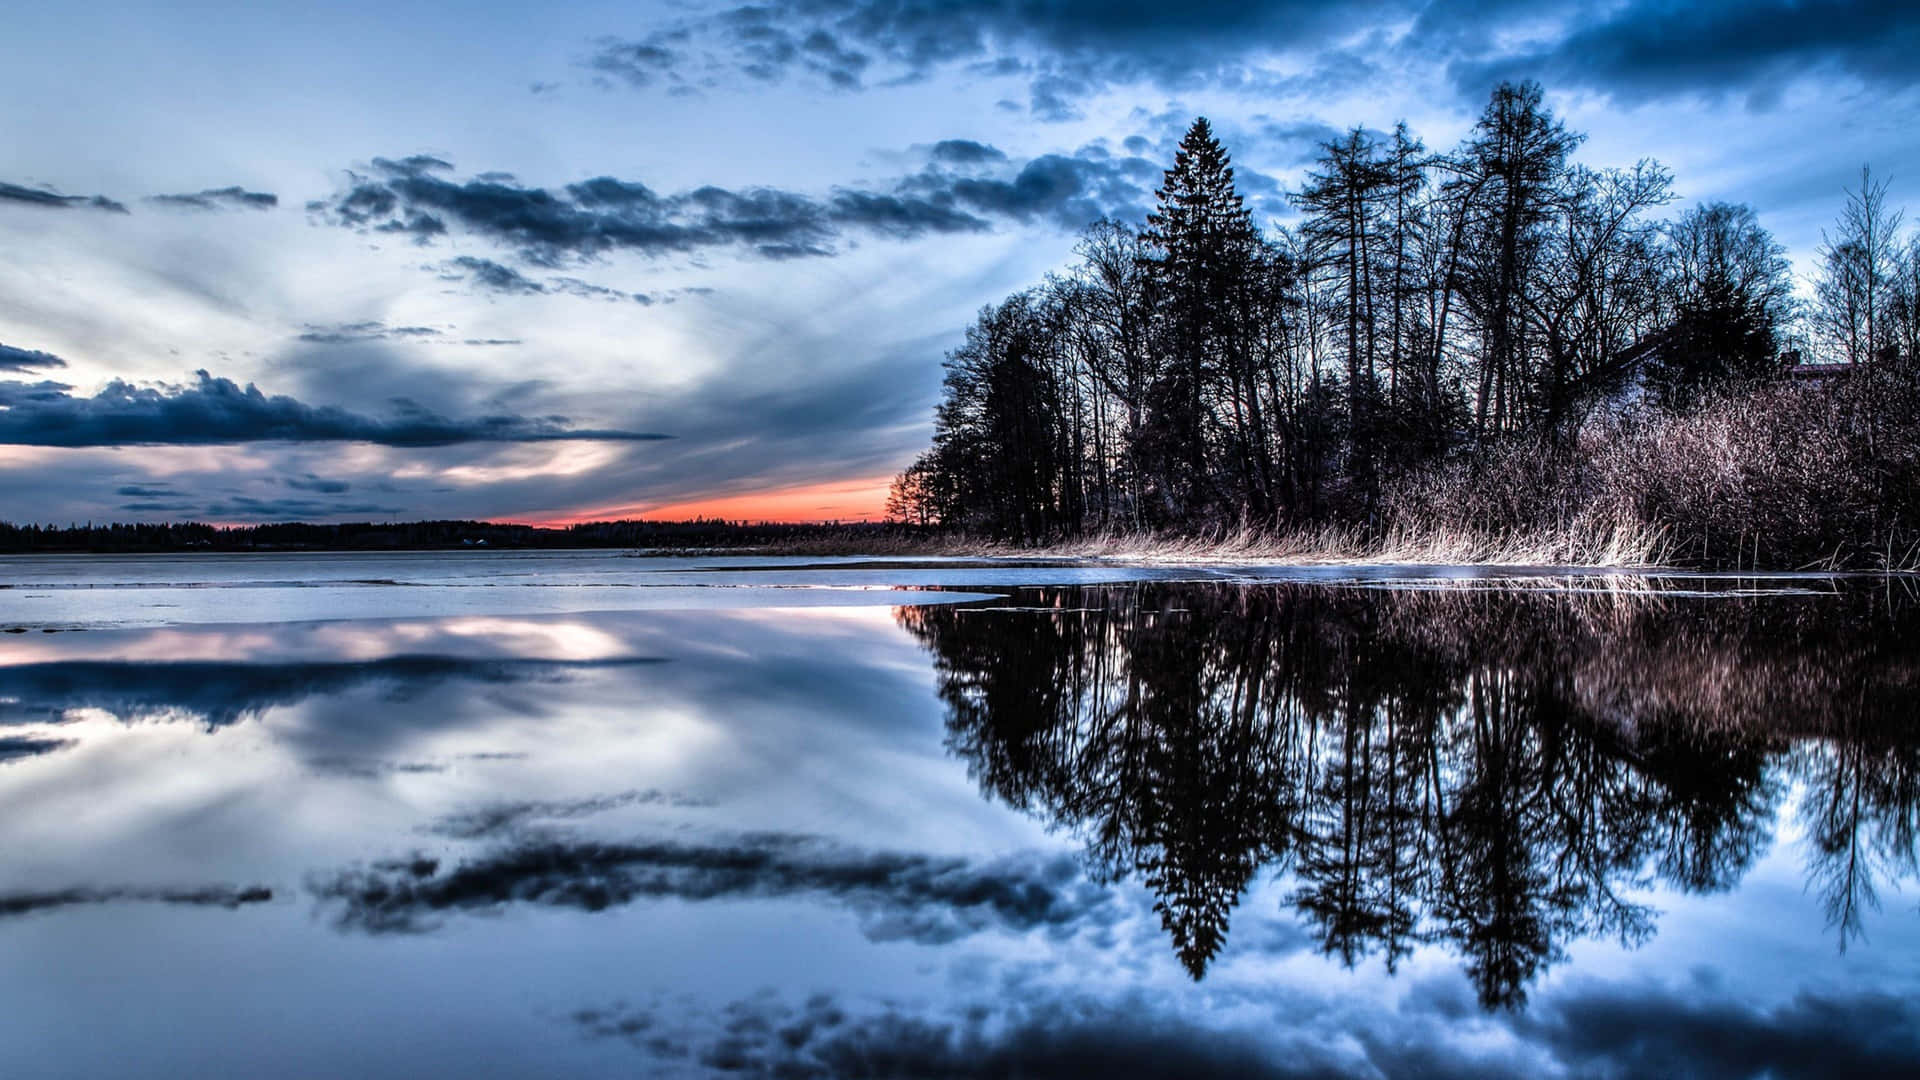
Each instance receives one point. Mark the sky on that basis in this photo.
(411, 260)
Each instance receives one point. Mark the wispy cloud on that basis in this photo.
(52, 199)
(226, 198)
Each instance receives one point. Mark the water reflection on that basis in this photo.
(1498, 772)
(217, 693)
(928, 899)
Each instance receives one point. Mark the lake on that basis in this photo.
(536, 814)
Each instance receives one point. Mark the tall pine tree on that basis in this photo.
(1200, 241)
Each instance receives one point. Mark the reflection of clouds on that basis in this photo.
(547, 640)
(1625, 1030)
(219, 694)
(498, 818)
(371, 768)
(923, 898)
(1022, 1032)
(1591, 1030)
(221, 896)
(461, 635)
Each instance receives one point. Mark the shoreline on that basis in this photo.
(1588, 544)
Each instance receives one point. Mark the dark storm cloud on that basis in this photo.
(220, 896)
(549, 227)
(581, 220)
(1647, 49)
(52, 199)
(214, 411)
(923, 898)
(16, 359)
(1069, 49)
(219, 693)
(226, 198)
(16, 747)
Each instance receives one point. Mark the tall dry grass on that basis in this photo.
(1585, 541)
(1781, 477)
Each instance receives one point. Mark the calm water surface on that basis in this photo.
(564, 814)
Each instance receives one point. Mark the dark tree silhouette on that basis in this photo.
(1496, 773)
(1732, 291)
(1490, 342)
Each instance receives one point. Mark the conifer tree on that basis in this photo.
(1200, 241)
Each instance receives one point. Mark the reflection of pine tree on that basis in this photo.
(1207, 805)
(1711, 798)
(1493, 772)
(1498, 903)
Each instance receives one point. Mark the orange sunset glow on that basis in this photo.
(859, 499)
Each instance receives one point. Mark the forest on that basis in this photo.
(1472, 348)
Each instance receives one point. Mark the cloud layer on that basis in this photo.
(17, 359)
(213, 411)
(923, 898)
(52, 199)
(551, 227)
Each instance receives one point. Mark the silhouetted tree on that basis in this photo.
(1855, 286)
(1510, 179)
(1731, 290)
(1200, 244)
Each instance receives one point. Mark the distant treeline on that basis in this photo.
(373, 536)
(1492, 339)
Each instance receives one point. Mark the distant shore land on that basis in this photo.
(1623, 546)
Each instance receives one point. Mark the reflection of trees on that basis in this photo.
(1863, 806)
(1495, 771)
